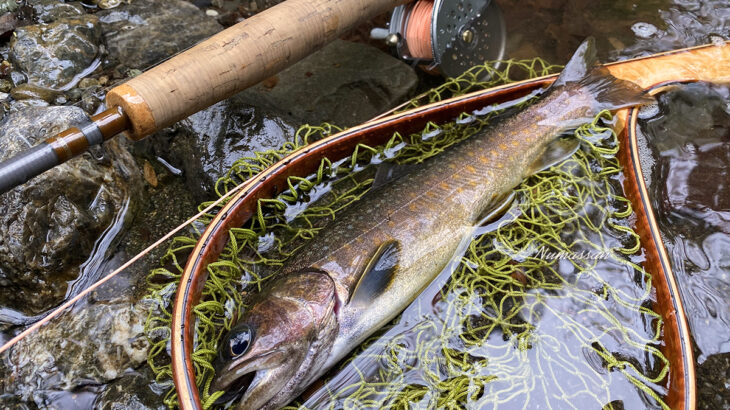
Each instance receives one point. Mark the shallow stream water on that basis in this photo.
(689, 175)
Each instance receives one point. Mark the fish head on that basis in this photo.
(276, 348)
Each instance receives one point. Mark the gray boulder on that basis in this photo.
(144, 32)
(97, 344)
(345, 83)
(56, 55)
(52, 224)
(206, 144)
(46, 11)
(131, 392)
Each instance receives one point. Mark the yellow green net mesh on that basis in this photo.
(546, 308)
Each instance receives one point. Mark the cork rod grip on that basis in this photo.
(235, 59)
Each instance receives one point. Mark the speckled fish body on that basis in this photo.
(406, 232)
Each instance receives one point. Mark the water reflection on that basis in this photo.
(623, 29)
(690, 189)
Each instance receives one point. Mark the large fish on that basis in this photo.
(376, 257)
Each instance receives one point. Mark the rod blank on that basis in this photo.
(26, 165)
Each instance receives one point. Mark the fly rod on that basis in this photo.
(213, 70)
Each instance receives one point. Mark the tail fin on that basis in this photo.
(609, 92)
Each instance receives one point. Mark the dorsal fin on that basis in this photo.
(378, 273)
(580, 64)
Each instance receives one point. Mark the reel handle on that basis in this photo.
(235, 59)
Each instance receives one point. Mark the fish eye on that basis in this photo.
(240, 340)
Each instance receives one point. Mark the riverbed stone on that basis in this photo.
(130, 392)
(98, 343)
(144, 32)
(206, 144)
(56, 55)
(345, 83)
(46, 11)
(56, 221)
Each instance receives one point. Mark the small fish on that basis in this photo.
(380, 253)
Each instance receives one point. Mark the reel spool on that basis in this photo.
(446, 35)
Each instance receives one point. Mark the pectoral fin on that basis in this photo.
(378, 273)
(555, 153)
(500, 207)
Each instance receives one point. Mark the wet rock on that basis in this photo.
(51, 224)
(8, 22)
(206, 144)
(30, 92)
(131, 392)
(142, 32)
(105, 4)
(8, 5)
(92, 98)
(88, 82)
(5, 68)
(5, 85)
(17, 78)
(74, 94)
(230, 12)
(56, 55)
(344, 83)
(94, 344)
(47, 11)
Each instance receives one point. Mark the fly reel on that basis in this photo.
(446, 35)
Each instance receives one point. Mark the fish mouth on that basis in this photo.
(234, 390)
(240, 378)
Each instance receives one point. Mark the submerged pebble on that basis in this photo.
(143, 32)
(5, 85)
(47, 11)
(33, 92)
(98, 344)
(717, 40)
(644, 30)
(8, 5)
(108, 4)
(92, 98)
(103, 4)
